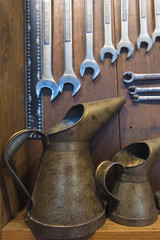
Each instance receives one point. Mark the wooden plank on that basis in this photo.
(138, 121)
(17, 229)
(12, 93)
(12, 117)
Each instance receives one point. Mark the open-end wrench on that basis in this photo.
(108, 45)
(129, 77)
(133, 89)
(69, 75)
(144, 36)
(89, 61)
(125, 42)
(156, 32)
(137, 98)
(47, 80)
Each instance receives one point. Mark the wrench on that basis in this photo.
(108, 45)
(125, 42)
(47, 80)
(144, 36)
(137, 98)
(156, 32)
(130, 76)
(69, 75)
(89, 61)
(133, 89)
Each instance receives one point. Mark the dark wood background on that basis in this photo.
(133, 123)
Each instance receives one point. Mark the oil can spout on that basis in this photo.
(139, 157)
(83, 121)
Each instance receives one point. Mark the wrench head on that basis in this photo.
(135, 98)
(90, 64)
(155, 34)
(47, 84)
(70, 79)
(125, 44)
(128, 77)
(111, 50)
(145, 39)
(132, 90)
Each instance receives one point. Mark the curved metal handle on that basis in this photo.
(14, 143)
(101, 174)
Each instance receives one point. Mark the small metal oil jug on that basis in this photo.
(133, 203)
(65, 202)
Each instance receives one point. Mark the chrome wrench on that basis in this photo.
(125, 42)
(108, 45)
(144, 36)
(156, 32)
(137, 98)
(89, 61)
(129, 77)
(69, 75)
(133, 89)
(47, 80)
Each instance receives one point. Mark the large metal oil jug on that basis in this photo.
(133, 203)
(65, 202)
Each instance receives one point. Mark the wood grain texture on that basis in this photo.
(12, 108)
(17, 229)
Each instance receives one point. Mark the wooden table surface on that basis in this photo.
(134, 122)
(17, 229)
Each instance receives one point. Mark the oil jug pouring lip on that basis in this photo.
(63, 125)
(133, 163)
(83, 121)
(138, 158)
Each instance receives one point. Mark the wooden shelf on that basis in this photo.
(16, 229)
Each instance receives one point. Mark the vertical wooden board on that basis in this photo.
(138, 121)
(12, 94)
(12, 107)
(104, 86)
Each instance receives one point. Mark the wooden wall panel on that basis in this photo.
(12, 110)
(11, 92)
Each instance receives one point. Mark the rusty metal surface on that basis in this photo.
(135, 204)
(65, 202)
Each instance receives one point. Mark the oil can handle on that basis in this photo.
(14, 143)
(101, 174)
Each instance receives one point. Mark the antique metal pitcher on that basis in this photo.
(133, 203)
(65, 202)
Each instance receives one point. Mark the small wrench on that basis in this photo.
(89, 61)
(130, 76)
(156, 32)
(133, 89)
(47, 80)
(125, 42)
(144, 36)
(137, 98)
(108, 45)
(69, 75)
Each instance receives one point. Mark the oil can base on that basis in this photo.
(66, 232)
(133, 222)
